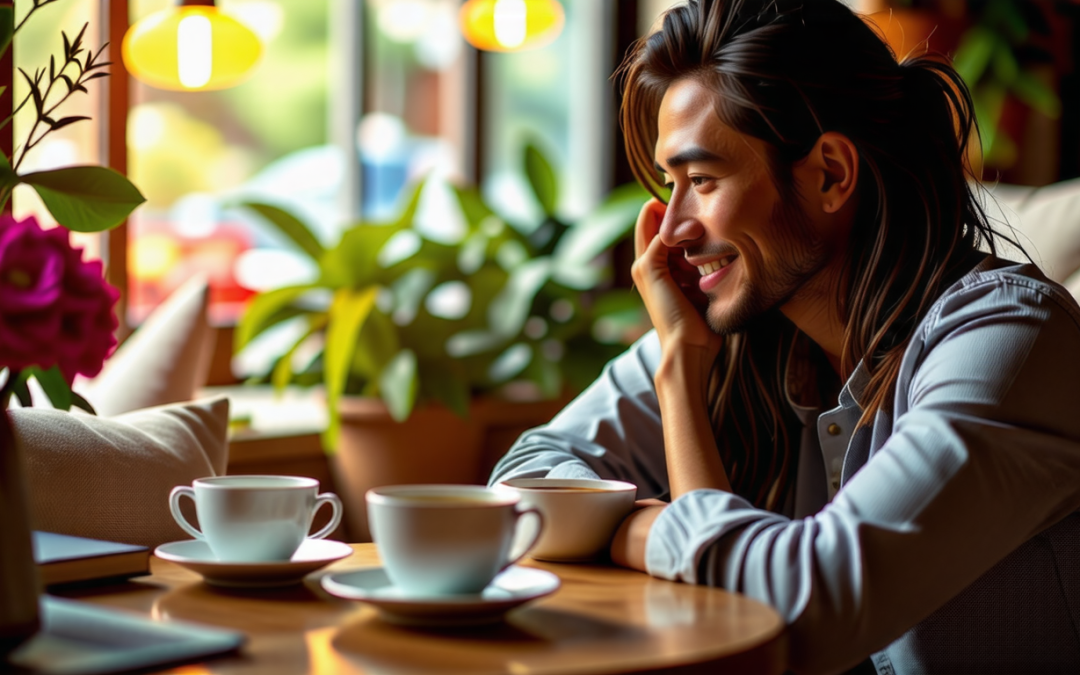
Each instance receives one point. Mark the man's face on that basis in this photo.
(743, 246)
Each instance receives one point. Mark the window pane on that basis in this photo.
(195, 153)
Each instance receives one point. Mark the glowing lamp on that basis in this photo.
(191, 47)
(511, 25)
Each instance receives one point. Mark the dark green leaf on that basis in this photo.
(510, 363)
(63, 122)
(55, 387)
(1005, 66)
(446, 382)
(291, 227)
(376, 344)
(542, 179)
(398, 384)
(35, 93)
(86, 198)
(78, 401)
(22, 391)
(8, 178)
(7, 27)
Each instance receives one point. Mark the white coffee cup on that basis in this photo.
(580, 514)
(254, 518)
(437, 540)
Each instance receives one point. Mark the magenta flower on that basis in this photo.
(55, 308)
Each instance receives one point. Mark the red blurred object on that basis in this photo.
(159, 261)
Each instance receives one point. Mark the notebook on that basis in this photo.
(64, 559)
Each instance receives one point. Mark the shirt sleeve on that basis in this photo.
(983, 455)
(612, 430)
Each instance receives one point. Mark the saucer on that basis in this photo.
(510, 589)
(196, 556)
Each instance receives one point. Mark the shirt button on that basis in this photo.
(834, 429)
(836, 483)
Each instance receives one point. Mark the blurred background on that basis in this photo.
(354, 100)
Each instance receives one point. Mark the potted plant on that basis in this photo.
(427, 347)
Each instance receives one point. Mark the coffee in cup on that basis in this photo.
(254, 518)
(438, 540)
(580, 515)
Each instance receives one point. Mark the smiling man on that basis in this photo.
(849, 407)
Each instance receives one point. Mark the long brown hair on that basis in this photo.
(786, 71)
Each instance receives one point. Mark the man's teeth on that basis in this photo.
(709, 268)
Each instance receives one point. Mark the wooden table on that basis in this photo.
(602, 620)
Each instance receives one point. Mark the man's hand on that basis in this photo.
(668, 286)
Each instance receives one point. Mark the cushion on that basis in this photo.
(165, 361)
(110, 478)
(1047, 222)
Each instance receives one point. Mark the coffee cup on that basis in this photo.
(438, 540)
(580, 515)
(254, 518)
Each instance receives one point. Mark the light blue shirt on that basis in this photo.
(943, 539)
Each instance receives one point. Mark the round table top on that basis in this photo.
(603, 619)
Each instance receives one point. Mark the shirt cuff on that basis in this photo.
(683, 531)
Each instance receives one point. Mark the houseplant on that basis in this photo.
(56, 310)
(533, 320)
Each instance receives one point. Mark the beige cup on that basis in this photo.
(580, 515)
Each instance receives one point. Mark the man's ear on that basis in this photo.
(832, 168)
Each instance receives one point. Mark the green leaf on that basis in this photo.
(597, 232)
(78, 401)
(446, 382)
(974, 53)
(510, 363)
(282, 373)
(398, 384)
(86, 198)
(21, 391)
(290, 226)
(263, 310)
(7, 27)
(1037, 94)
(8, 178)
(376, 344)
(354, 262)
(542, 179)
(348, 313)
(511, 307)
(54, 385)
(1005, 66)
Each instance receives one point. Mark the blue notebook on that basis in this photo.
(64, 559)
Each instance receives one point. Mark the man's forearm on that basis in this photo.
(689, 444)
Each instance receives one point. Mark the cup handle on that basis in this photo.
(335, 519)
(174, 506)
(519, 513)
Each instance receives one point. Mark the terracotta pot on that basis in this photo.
(433, 446)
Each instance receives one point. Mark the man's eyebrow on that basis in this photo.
(694, 154)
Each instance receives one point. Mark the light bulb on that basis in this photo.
(511, 25)
(194, 51)
(509, 17)
(191, 48)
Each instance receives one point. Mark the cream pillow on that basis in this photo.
(165, 361)
(110, 478)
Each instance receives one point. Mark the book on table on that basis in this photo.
(64, 559)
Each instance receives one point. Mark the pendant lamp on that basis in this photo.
(191, 47)
(511, 25)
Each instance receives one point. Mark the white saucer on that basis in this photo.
(512, 588)
(196, 556)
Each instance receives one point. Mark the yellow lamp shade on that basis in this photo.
(190, 48)
(511, 25)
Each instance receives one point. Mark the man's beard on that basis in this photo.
(799, 256)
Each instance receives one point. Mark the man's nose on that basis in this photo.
(680, 225)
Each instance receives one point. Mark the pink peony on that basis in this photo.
(55, 309)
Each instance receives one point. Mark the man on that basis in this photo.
(857, 416)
